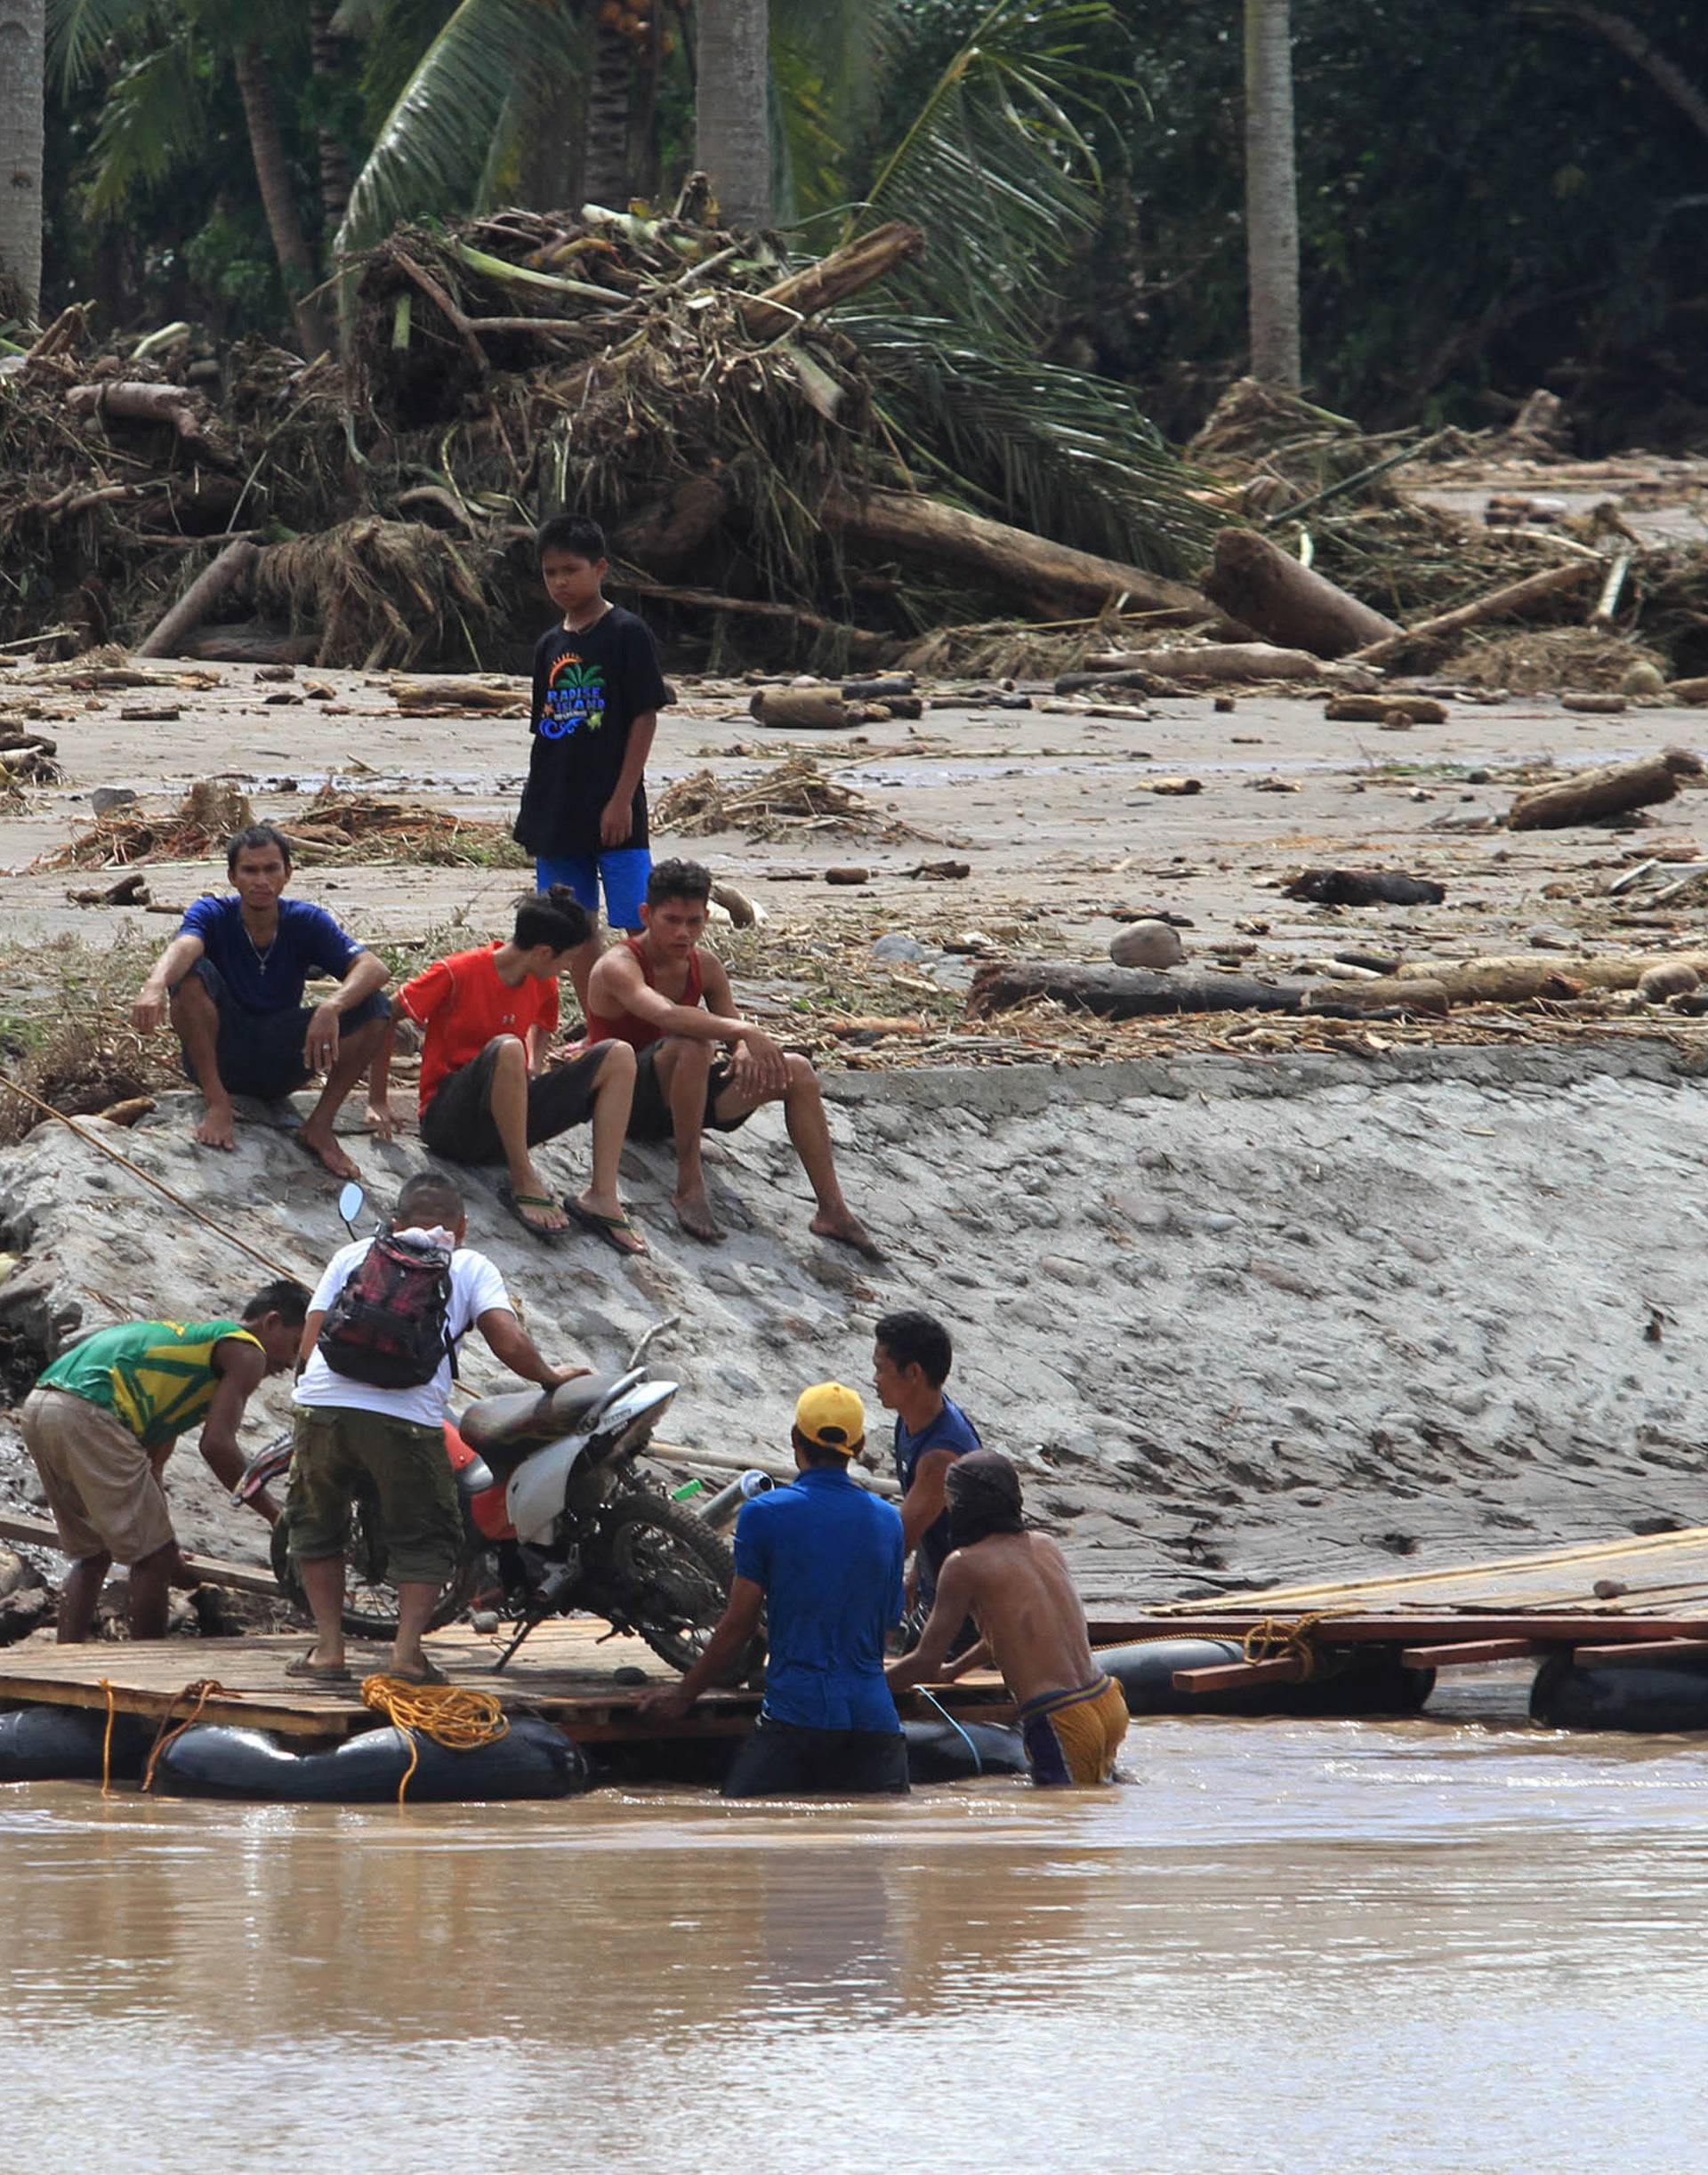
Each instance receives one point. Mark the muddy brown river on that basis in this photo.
(1459, 1945)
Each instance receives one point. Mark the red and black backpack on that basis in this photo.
(389, 1326)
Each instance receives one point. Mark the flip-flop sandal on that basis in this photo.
(430, 1674)
(612, 1229)
(517, 1202)
(317, 1672)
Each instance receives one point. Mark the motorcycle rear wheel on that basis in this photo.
(370, 1609)
(670, 1577)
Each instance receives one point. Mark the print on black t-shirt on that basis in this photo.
(590, 685)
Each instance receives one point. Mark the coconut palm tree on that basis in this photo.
(732, 106)
(22, 54)
(1272, 194)
(165, 46)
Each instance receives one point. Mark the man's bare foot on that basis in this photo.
(694, 1214)
(218, 1129)
(847, 1229)
(325, 1150)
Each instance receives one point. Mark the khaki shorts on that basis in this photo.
(338, 1452)
(101, 1484)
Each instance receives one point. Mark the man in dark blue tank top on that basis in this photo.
(911, 1359)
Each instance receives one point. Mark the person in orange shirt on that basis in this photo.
(488, 1093)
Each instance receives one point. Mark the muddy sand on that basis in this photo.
(1288, 1313)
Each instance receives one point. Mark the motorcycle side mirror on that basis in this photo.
(352, 1199)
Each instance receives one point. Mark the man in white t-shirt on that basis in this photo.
(348, 1433)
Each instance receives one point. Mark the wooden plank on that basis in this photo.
(1650, 1655)
(1466, 1654)
(1228, 1676)
(1405, 1628)
(241, 1577)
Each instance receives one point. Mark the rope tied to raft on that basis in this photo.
(198, 1692)
(977, 1764)
(107, 1739)
(1275, 1639)
(450, 1714)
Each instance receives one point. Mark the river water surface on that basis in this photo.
(1346, 1948)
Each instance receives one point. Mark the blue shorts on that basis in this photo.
(261, 1053)
(623, 871)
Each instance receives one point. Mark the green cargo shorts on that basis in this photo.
(337, 1451)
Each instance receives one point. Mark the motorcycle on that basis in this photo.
(555, 1516)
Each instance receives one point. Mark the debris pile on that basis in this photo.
(794, 798)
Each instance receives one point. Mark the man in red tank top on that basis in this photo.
(698, 1063)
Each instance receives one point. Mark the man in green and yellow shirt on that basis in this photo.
(101, 1422)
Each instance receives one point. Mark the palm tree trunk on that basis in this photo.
(324, 58)
(22, 54)
(608, 118)
(732, 116)
(1271, 194)
(273, 175)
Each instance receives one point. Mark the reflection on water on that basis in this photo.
(1318, 1947)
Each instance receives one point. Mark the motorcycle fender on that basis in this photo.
(535, 1496)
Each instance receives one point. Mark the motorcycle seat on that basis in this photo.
(525, 1418)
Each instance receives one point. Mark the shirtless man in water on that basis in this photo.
(700, 1063)
(1073, 1716)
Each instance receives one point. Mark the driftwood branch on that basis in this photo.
(1591, 795)
(845, 272)
(170, 406)
(1511, 602)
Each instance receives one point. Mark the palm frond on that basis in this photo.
(79, 31)
(148, 126)
(827, 69)
(1055, 451)
(433, 146)
(997, 165)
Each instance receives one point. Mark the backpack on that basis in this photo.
(389, 1326)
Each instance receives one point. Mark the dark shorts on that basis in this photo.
(261, 1053)
(649, 1118)
(457, 1124)
(783, 1759)
(338, 1452)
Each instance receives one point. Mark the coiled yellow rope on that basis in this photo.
(451, 1715)
(1275, 1639)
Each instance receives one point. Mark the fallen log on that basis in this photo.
(845, 271)
(186, 415)
(1285, 601)
(1138, 992)
(800, 709)
(1511, 602)
(221, 575)
(1693, 693)
(1209, 660)
(1591, 795)
(1123, 993)
(447, 692)
(1499, 979)
(249, 641)
(1050, 581)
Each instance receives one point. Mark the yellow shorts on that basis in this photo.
(1072, 1738)
(101, 1485)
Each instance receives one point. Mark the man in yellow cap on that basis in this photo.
(824, 1559)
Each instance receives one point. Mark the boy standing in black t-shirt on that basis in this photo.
(597, 695)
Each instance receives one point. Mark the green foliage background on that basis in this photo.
(1491, 197)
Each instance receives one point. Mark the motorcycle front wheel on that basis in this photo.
(670, 1577)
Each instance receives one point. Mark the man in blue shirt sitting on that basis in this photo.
(232, 981)
(823, 1559)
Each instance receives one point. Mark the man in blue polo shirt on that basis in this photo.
(232, 980)
(823, 1560)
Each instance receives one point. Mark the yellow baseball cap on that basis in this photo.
(831, 1416)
